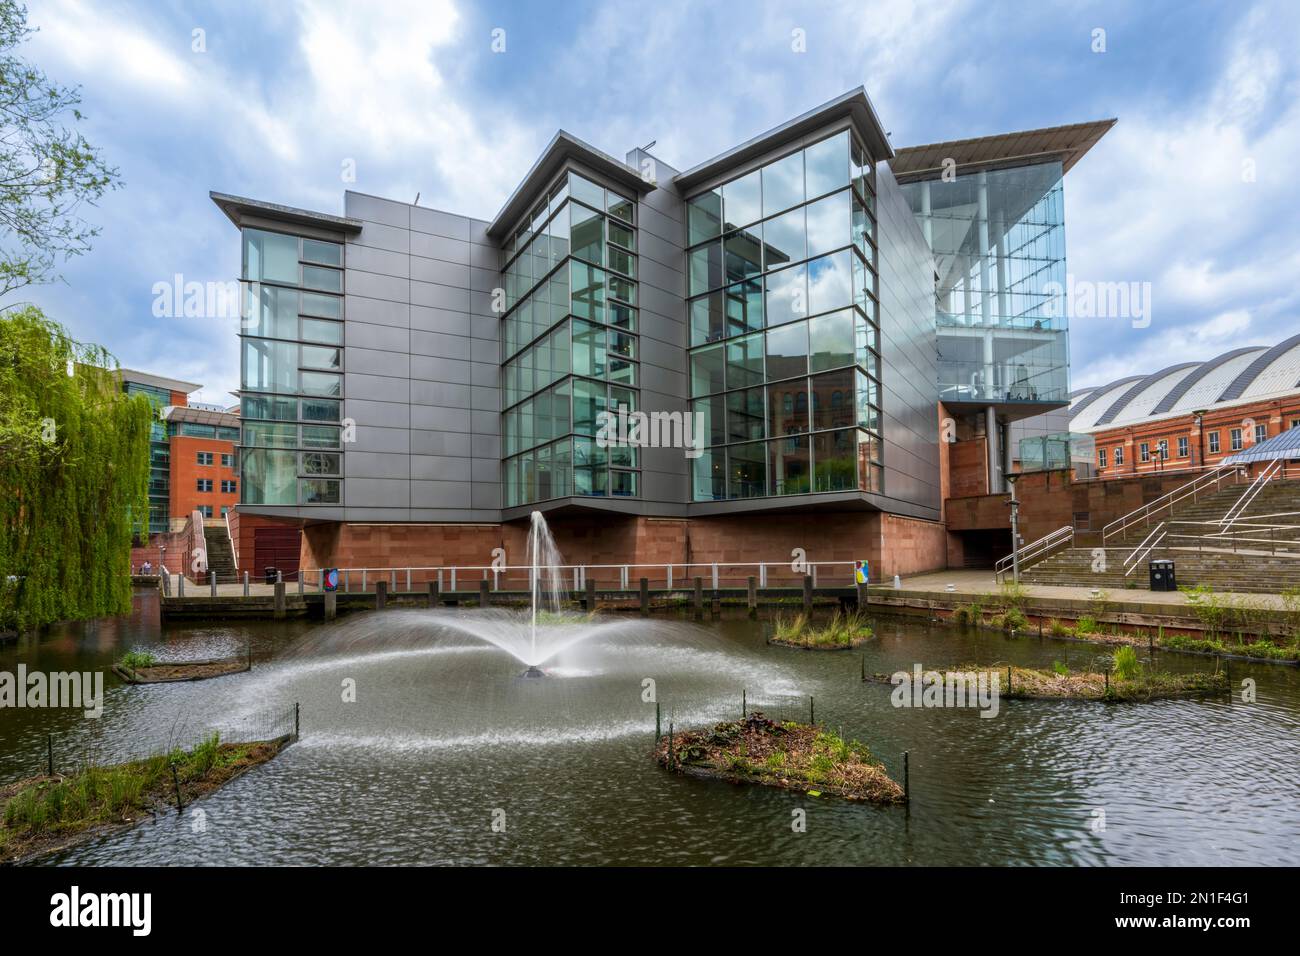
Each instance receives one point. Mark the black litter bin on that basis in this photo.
(270, 575)
(1162, 576)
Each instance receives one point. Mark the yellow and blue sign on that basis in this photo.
(861, 571)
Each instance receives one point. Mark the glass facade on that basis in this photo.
(291, 364)
(784, 326)
(998, 239)
(570, 344)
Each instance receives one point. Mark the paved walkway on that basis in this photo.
(982, 582)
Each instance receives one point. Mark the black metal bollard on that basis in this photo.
(483, 587)
(433, 592)
(645, 596)
(381, 595)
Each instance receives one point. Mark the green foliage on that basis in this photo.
(1058, 628)
(47, 170)
(135, 659)
(1085, 625)
(74, 469)
(968, 614)
(841, 630)
(1059, 668)
(1013, 595)
(1266, 650)
(1125, 664)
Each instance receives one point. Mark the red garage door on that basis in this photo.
(275, 548)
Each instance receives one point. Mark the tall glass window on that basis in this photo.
(570, 346)
(998, 238)
(781, 269)
(291, 367)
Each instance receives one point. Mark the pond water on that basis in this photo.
(445, 737)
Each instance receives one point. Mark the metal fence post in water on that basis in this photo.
(807, 592)
(381, 595)
(752, 596)
(433, 591)
(907, 784)
(672, 757)
(295, 720)
(645, 596)
(812, 719)
(658, 724)
(49, 743)
(744, 702)
(699, 597)
(483, 587)
(1008, 678)
(591, 595)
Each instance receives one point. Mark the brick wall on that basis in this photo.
(186, 471)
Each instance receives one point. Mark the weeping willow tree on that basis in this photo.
(74, 473)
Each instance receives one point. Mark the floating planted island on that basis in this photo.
(1126, 681)
(844, 631)
(787, 755)
(46, 814)
(141, 667)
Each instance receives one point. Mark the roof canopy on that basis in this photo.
(1285, 445)
(1065, 144)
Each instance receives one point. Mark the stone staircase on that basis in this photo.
(221, 557)
(1250, 568)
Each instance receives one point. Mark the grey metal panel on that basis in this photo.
(909, 354)
(391, 238)
(428, 368)
(485, 495)
(485, 399)
(485, 422)
(389, 212)
(443, 273)
(440, 247)
(374, 362)
(379, 261)
(441, 223)
(373, 464)
(486, 470)
(440, 296)
(455, 348)
(485, 374)
(370, 492)
(377, 311)
(385, 414)
(375, 286)
(439, 418)
(440, 494)
(454, 322)
(386, 338)
(377, 438)
(376, 388)
(445, 394)
(440, 468)
(485, 446)
(458, 444)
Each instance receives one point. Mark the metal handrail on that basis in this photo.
(1167, 500)
(679, 571)
(1249, 495)
(1034, 550)
(1158, 532)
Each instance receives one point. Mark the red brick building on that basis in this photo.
(1191, 414)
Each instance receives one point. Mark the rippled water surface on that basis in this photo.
(444, 732)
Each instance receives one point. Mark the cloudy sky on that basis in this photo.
(1194, 191)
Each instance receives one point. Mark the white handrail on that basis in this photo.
(1191, 488)
(1249, 495)
(1034, 550)
(1131, 563)
(234, 552)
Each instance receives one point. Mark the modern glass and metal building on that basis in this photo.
(794, 310)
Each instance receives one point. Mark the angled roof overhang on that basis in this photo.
(237, 208)
(1063, 144)
(562, 147)
(853, 104)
